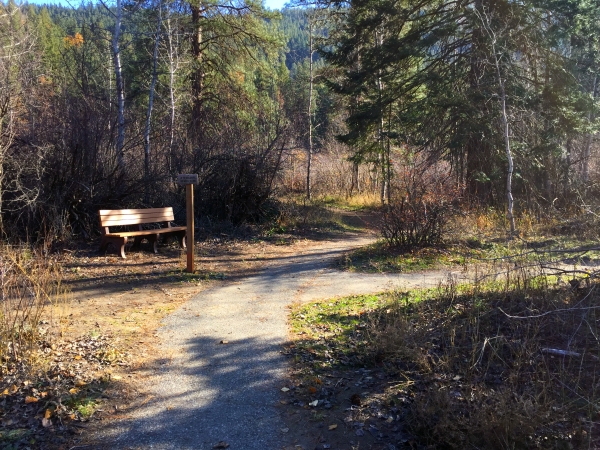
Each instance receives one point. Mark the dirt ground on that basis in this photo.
(119, 304)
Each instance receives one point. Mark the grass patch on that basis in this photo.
(482, 241)
(510, 364)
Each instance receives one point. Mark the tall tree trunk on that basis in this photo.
(585, 170)
(198, 70)
(505, 124)
(150, 105)
(119, 87)
(475, 146)
(172, 68)
(354, 179)
(310, 110)
(384, 188)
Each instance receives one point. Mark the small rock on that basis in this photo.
(355, 399)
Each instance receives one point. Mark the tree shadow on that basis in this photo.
(210, 392)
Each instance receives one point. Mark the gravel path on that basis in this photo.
(208, 391)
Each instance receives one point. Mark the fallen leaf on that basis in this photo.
(80, 383)
(312, 390)
(116, 377)
(332, 426)
(46, 423)
(5, 392)
(285, 389)
(223, 342)
(315, 403)
(285, 430)
(221, 444)
(73, 391)
(30, 399)
(77, 357)
(13, 389)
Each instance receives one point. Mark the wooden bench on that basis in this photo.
(136, 218)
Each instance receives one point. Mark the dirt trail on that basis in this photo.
(219, 367)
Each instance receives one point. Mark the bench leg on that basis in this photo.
(153, 239)
(119, 242)
(122, 249)
(181, 239)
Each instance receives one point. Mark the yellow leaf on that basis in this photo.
(13, 389)
(77, 357)
(5, 392)
(48, 414)
(29, 399)
(79, 383)
(73, 391)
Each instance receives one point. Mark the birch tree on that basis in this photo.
(310, 106)
(151, 104)
(495, 60)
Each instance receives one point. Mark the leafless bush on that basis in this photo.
(422, 201)
(30, 290)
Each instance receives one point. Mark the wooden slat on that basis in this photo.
(136, 211)
(145, 232)
(115, 217)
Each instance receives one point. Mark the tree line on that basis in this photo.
(102, 105)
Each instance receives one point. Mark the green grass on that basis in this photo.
(84, 402)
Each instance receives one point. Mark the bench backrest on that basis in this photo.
(120, 217)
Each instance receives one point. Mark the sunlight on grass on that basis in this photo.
(476, 363)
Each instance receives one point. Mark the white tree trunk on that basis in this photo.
(485, 20)
(150, 105)
(310, 110)
(119, 87)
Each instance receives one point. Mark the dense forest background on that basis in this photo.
(420, 102)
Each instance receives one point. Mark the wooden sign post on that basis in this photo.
(189, 180)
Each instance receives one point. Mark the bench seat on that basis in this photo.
(137, 218)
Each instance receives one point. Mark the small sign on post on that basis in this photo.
(189, 180)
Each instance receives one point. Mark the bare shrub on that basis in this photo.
(499, 364)
(422, 201)
(30, 290)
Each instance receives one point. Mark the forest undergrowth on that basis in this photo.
(481, 238)
(508, 361)
(511, 363)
